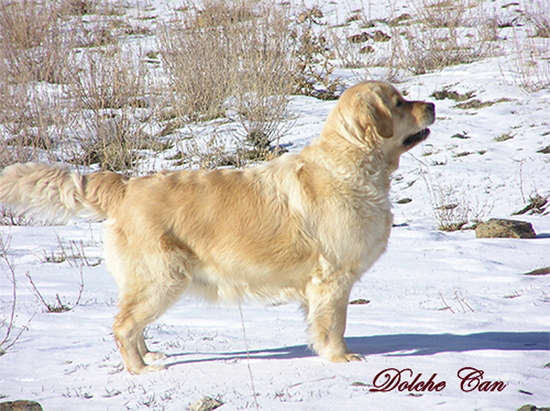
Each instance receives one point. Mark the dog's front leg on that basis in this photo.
(326, 306)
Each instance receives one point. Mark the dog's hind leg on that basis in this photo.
(148, 356)
(136, 311)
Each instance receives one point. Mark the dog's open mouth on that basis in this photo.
(416, 138)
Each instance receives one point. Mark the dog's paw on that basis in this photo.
(153, 356)
(354, 357)
(348, 357)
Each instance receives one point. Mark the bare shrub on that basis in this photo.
(112, 143)
(533, 67)
(212, 153)
(537, 15)
(78, 7)
(441, 33)
(87, 7)
(262, 86)
(47, 86)
(452, 207)
(9, 323)
(100, 35)
(31, 123)
(431, 51)
(199, 55)
(531, 54)
(349, 52)
(442, 13)
(532, 63)
(110, 91)
(451, 211)
(313, 55)
(108, 79)
(8, 217)
(230, 59)
(441, 37)
(34, 120)
(33, 44)
(58, 306)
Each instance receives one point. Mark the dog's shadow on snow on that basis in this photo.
(391, 345)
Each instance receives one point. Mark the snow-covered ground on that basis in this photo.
(438, 302)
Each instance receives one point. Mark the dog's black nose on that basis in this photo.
(430, 107)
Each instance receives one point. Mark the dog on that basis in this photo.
(301, 227)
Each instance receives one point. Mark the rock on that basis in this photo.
(20, 405)
(366, 50)
(205, 404)
(539, 271)
(380, 36)
(360, 301)
(501, 228)
(529, 407)
(359, 38)
(399, 19)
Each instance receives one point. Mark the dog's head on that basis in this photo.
(375, 115)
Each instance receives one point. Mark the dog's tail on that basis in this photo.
(59, 193)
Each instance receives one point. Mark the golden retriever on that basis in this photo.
(304, 226)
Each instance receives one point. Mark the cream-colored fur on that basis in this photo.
(304, 226)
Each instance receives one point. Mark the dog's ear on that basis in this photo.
(374, 112)
(382, 118)
(383, 121)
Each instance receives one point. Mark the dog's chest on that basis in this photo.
(355, 230)
(373, 230)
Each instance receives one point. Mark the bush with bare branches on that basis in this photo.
(231, 59)
(33, 43)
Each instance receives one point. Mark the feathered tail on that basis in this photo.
(59, 193)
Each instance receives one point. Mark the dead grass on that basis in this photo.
(33, 42)
(8, 217)
(69, 90)
(477, 104)
(31, 123)
(262, 85)
(537, 14)
(447, 93)
(532, 61)
(200, 82)
(531, 54)
(436, 34)
(109, 79)
(314, 57)
(453, 208)
(435, 14)
(111, 143)
(73, 90)
(230, 59)
(443, 36)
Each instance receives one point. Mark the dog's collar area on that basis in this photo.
(414, 139)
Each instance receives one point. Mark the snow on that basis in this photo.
(438, 301)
